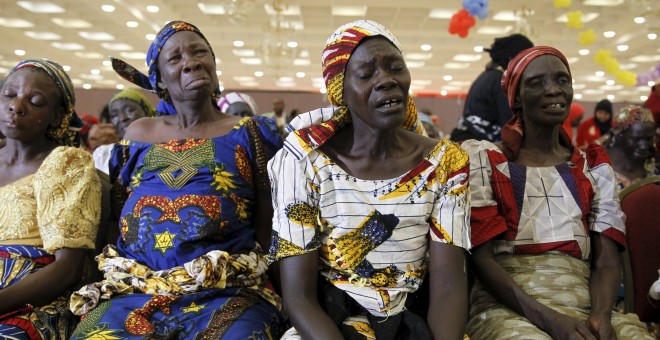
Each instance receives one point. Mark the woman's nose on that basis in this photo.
(16, 106)
(385, 81)
(191, 64)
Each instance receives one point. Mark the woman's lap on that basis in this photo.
(229, 313)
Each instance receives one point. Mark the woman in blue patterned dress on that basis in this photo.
(189, 262)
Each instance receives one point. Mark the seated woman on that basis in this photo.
(189, 262)
(546, 223)
(238, 104)
(361, 197)
(631, 145)
(124, 107)
(50, 202)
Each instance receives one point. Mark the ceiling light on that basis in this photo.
(251, 61)
(91, 77)
(645, 58)
(132, 24)
(239, 43)
(651, 83)
(134, 55)
(600, 73)
(602, 2)
(609, 34)
(577, 96)
(457, 66)
(116, 46)
(579, 86)
(304, 54)
(421, 82)
(76, 81)
(639, 20)
(241, 79)
(584, 52)
(478, 48)
(438, 13)
(42, 35)
(218, 73)
(443, 93)
(610, 97)
(349, 11)
(150, 36)
(609, 82)
(108, 8)
(292, 44)
(494, 30)
(66, 68)
(217, 61)
(467, 57)
(86, 86)
(71, 23)
(221, 88)
(323, 90)
(249, 84)
(505, 16)
(95, 71)
(425, 47)
(651, 36)
(15, 23)
(418, 56)
(447, 77)
(120, 86)
(107, 63)
(215, 9)
(415, 64)
(643, 98)
(68, 46)
(300, 74)
(622, 48)
(244, 53)
(40, 7)
(19, 52)
(301, 62)
(153, 9)
(88, 55)
(258, 74)
(96, 36)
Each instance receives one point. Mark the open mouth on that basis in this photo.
(554, 107)
(389, 103)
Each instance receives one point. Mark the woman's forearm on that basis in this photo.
(605, 275)
(46, 284)
(448, 303)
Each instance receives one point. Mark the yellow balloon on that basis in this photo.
(626, 78)
(602, 56)
(587, 37)
(574, 19)
(612, 66)
(562, 3)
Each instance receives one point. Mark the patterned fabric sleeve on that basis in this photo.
(606, 216)
(68, 194)
(296, 229)
(485, 219)
(271, 137)
(451, 212)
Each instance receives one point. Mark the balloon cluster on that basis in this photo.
(602, 57)
(463, 19)
(643, 79)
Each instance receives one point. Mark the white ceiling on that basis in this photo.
(412, 21)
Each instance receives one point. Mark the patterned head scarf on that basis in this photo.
(150, 82)
(630, 115)
(512, 132)
(66, 133)
(236, 97)
(137, 97)
(338, 50)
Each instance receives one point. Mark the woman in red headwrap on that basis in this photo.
(546, 223)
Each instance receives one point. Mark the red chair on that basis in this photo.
(641, 204)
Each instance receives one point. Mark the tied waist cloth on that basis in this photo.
(215, 269)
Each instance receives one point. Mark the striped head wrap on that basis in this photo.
(66, 133)
(134, 95)
(236, 97)
(338, 50)
(512, 132)
(150, 82)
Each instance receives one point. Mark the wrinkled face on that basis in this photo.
(187, 67)
(29, 104)
(241, 109)
(603, 116)
(123, 112)
(637, 141)
(376, 84)
(545, 92)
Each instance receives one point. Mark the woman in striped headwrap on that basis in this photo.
(361, 197)
(546, 223)
(50, 202)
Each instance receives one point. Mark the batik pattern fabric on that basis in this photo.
(57, 207)
(372, 235)
(533, 210)
(555, 279)
(186, 263)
